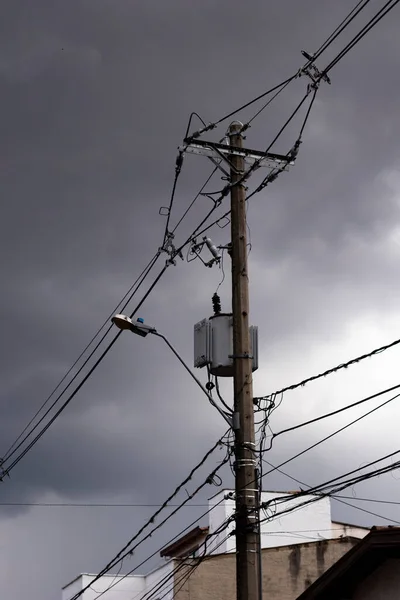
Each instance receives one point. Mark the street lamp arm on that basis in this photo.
(193, 376)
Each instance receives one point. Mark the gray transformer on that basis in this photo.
(213, 345)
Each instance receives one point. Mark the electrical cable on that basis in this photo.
(340, 499)
(227, 521)
(114, 580)
(331, 38)
(226, 190)
(141, 278)
(234, 112)
(220, 396)
(336, 412)
(248, 123)
(331, 435)
(388, 7)
(294, 113)
(195, 198)
(13, 448)
(341, 27)
(333, 369)
(318, 490)
(93, 505)
(99, 360)
(150, 594)
(177, 536)
(343, 54)
(127, 549)
(178, 170)
(366, 511)
(129, 293)
(80, 385)
(196, 565)
(369, 500)
(193, 114)
(222, 270)
(176, 569)
(198, 561)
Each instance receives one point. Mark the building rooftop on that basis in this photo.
(187, 544)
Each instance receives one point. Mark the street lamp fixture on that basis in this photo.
(140, 328)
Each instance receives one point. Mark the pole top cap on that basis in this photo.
(235, 127)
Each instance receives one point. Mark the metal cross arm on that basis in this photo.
(214, 150)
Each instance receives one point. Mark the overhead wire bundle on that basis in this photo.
(331, 435)
(169, 247)
(273, 468)
(377, 471)
(335, 485)
(172, 251)
(331, 370)
(134, 542)
(204, 549)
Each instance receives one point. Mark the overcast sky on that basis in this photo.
(95, 98)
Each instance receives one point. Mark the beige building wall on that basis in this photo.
(287, 571)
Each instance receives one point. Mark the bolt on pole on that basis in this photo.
(247, 529)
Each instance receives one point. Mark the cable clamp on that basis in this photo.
(311, 71)
(169, 248)
(3, 472)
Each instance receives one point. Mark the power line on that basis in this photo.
(128, 548)
(177, 536)
(338, 411)
(340, 499)
(333, 434)
(369, 500)
(197, 562)
(341, 27)
(280, 90)
(15, 446)
(291, 155)
(332, 370)
(199, 193)
(99, 360)
(178, 170)
(280, 87)
(386, 9)
(365, 510)
(242, 107)
(96, 505)
(80, 385)
(319, 493)
(352, 481)
(128, 297)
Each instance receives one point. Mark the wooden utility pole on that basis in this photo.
(247, 532)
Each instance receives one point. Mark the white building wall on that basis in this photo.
(154, 582)
(124, 589)
(130, 587)
(301, 525)
(342, 529)
(295, 527)
(219, 513)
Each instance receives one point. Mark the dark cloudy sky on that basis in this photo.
(95, 97)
